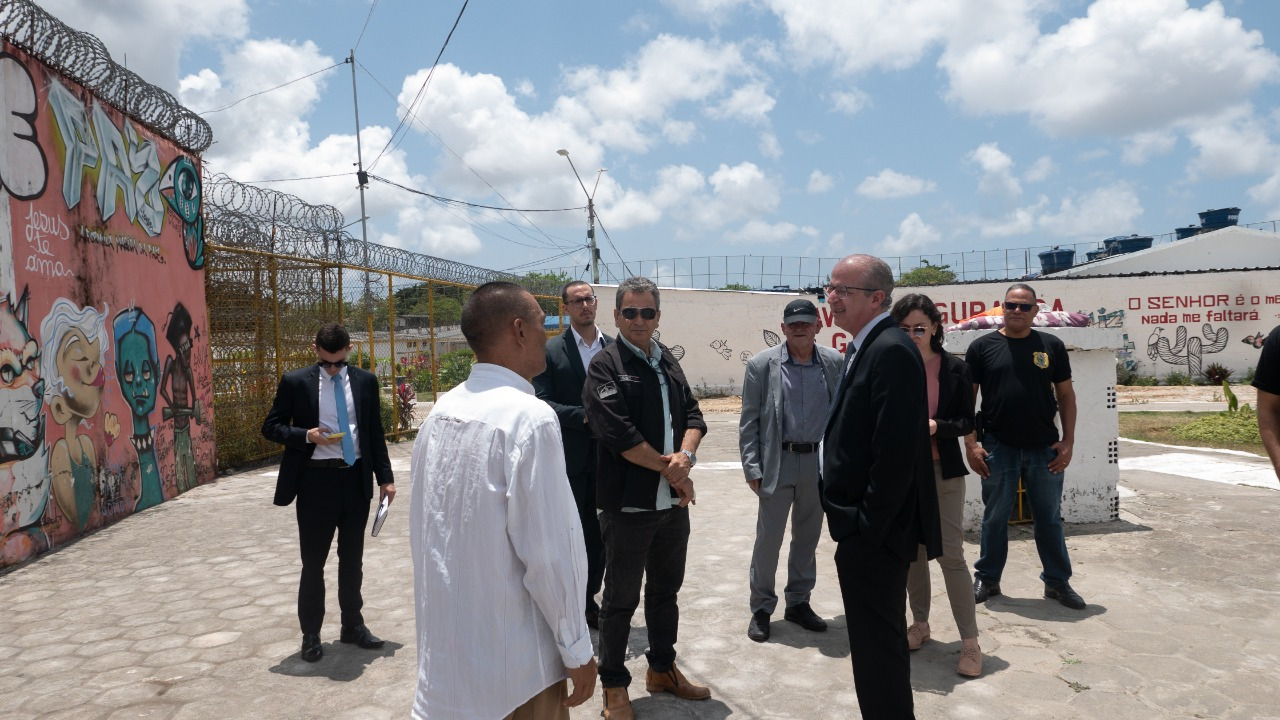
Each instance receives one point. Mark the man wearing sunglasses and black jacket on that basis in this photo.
(328, 417)
(647, 426)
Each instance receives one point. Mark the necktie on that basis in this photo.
(344, 424)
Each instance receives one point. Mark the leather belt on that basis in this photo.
(792, 447)
(338, 463)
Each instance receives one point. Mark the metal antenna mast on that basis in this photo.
(362, 177)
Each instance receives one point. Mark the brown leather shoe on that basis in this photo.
(674, 682)
(617, 706)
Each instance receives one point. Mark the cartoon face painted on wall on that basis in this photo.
(136, 365)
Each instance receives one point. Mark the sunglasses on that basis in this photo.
(630, 313)
(588, 300)
(917, 331)
(332, 364)
(1024, 307)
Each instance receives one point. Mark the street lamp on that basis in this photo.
(591, 215)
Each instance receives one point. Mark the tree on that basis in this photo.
(545, 283)
(928, 274)
(736, 286)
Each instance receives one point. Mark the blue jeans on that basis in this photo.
(1044, 492)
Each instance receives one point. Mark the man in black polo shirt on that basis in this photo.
(647, 426)
(1025, 379)
(1267, 381)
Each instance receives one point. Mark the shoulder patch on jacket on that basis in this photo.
(606, 390)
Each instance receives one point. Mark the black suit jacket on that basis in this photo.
(296, 410)
(560, 385)
(877, 477)
(954, 415)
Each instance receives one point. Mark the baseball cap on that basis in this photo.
(799, 311)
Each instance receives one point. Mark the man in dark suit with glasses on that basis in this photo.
(328, 417)
(560, 386)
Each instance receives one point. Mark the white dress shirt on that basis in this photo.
(329, 415)
(499, 568)
(585, 351)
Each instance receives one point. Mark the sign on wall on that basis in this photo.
(105, 394)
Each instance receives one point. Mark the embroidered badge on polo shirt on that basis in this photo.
(606, 390)
(1040, 359)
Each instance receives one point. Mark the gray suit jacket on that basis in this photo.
(760, 427)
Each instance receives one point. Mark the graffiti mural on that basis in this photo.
(1186, 350)
(101, 262)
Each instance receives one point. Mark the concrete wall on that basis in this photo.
(1166, 322)
(1089, 491)
(105, 392)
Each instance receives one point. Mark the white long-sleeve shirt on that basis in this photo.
(499, 565)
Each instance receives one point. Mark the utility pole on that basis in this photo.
(362, 178)
(591, 216)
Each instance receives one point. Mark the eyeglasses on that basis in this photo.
(917, 331)
(630, 313)
(843, 290)
(1024, 307)
(587, 301)
(332, 364)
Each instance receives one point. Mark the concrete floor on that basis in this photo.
(187, 611)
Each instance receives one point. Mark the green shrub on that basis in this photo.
(1248, 375)
(1237, 428)
(455, 366)
(1216, 373)
(1177, 378)
(1145, 380)
(387, 413)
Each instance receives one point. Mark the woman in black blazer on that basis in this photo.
(950, 392)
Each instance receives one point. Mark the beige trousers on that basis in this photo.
(955, 571)
(546, 705)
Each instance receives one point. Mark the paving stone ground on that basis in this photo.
(187, 611)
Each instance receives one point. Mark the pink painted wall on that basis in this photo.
(105, 394)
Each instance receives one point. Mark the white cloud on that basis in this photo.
(891, 184)
(849, 102)
(769, 145)
(1141, 147)
(1232, 142)
(1020, 222)
(758, 232)
(749, 103)
(1040, 170)
(913, 234)
(1267, 194)
(997, 171)
(809, 137)
(170, 24)
(1125, 67)
(1106, 211)
(679, 132)
(525, 88)
(820, 182)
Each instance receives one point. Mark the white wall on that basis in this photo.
(714, 332)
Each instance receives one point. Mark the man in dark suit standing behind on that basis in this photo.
(560, 386)
(328, 418)
(877, 482)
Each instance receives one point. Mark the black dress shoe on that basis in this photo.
(758, 630)
(804, 616)
(311, 649)
(983, 589)
(361, 636)
(1065, 595)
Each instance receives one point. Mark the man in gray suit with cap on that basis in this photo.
(786, 393)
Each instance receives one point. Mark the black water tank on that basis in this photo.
(1121, 245)
(1188, 231)
(1096, 254)
(1220, 218)
(1052, 261)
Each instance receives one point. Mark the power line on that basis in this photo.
(263, 92)
(422, 89)
(463, 162)
(372, 7)
(276, 180)
(464, 203)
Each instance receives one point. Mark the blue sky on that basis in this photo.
(735, 127)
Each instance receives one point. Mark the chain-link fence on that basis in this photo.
(279, 268)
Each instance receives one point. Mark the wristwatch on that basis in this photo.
(693, 459)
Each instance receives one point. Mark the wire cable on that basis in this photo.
(372, 7)
(313, 177)
(272, 89)
(464, 203)
(422, 90)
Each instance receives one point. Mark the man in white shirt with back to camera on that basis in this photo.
(498, 561)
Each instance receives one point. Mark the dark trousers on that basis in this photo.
(584, 495)
(329, 500)
(636, 545)
(873, 583)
